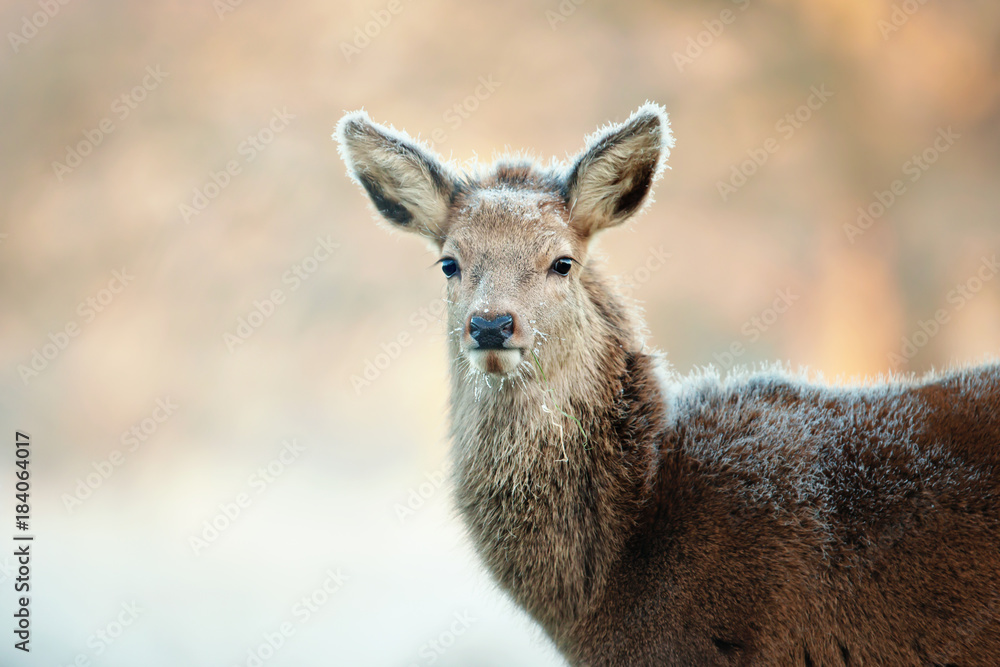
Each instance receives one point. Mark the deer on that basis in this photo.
(644, 517)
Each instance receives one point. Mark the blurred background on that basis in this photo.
(234, 380)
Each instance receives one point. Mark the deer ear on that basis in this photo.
(613, 177)
(409, 186)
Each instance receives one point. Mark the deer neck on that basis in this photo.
(551, 471)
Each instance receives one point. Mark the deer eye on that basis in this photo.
(562, 266)
(449, 266)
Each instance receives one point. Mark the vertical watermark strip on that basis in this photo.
(22, 543)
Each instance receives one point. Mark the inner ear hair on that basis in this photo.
(613, 177)
(406, 182)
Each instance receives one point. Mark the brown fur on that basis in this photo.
(647, 519)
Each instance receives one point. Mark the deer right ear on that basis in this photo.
(409, 186)
(613, 177)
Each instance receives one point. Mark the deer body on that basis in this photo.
(647, 519)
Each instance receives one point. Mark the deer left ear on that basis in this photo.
(613, 177)
(408, 184)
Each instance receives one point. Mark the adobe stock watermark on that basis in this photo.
(656, 260)
(223, 7)
(121, 108)
(957, 298)
(294, 277)
(248, 150)
(362, 35)
(899, 15)
(698, 44)
(231, 510)
(131, 439)
(786, 127)
(756, 326)
(87, 310)
(564, 10)
(417, 495)
(459, 112)
(432, 649)
(303, 610)
(915, 168)
(419, 321)
(30, 25)
(104, 637)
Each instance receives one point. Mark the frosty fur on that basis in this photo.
(645, 518)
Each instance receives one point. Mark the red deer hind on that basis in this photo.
(643, 518)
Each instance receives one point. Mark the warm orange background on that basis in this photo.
(335, 506)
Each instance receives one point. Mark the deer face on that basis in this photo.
(513, 266)
(513, 241)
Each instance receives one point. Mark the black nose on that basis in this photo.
(491, 334)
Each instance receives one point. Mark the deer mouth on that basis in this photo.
(501, 361)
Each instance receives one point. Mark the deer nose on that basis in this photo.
(491, 334)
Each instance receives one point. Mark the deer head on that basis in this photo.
(513, 238)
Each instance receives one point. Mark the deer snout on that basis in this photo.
(491, 334)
